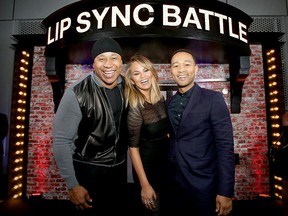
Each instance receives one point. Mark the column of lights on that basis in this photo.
(16, 166)
(275, 115)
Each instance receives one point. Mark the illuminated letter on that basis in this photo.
(221, 18)
(56, 31)
(64, 27)
(167, 15)
(84, 22)
(136, 13)
(242, 32)
(195, 21)
(100, 17)
(206, 17)
(231, 29)
(50, 40)
(125, 20)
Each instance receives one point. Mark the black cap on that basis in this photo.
(105, 44)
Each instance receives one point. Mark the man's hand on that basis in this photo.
(223, 205)
(79, 196)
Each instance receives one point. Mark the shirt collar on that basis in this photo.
(187, 93)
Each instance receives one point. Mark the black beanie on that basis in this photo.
(105, 44)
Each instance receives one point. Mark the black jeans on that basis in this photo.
(107, 186)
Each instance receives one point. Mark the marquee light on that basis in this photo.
(18, 126)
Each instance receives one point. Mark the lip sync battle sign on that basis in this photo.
(87, 20)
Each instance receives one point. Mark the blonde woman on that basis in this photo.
(148, 127)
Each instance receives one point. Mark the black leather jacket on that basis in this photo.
(100, 140)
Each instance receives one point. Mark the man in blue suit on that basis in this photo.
(201, 157)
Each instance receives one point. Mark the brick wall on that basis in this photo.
(250, 129)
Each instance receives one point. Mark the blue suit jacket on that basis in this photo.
(202, 149)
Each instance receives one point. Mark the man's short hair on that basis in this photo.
(184, 50)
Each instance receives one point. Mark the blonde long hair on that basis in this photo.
(132, 95)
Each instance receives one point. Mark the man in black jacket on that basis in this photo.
(201, 157)
(88, 141)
